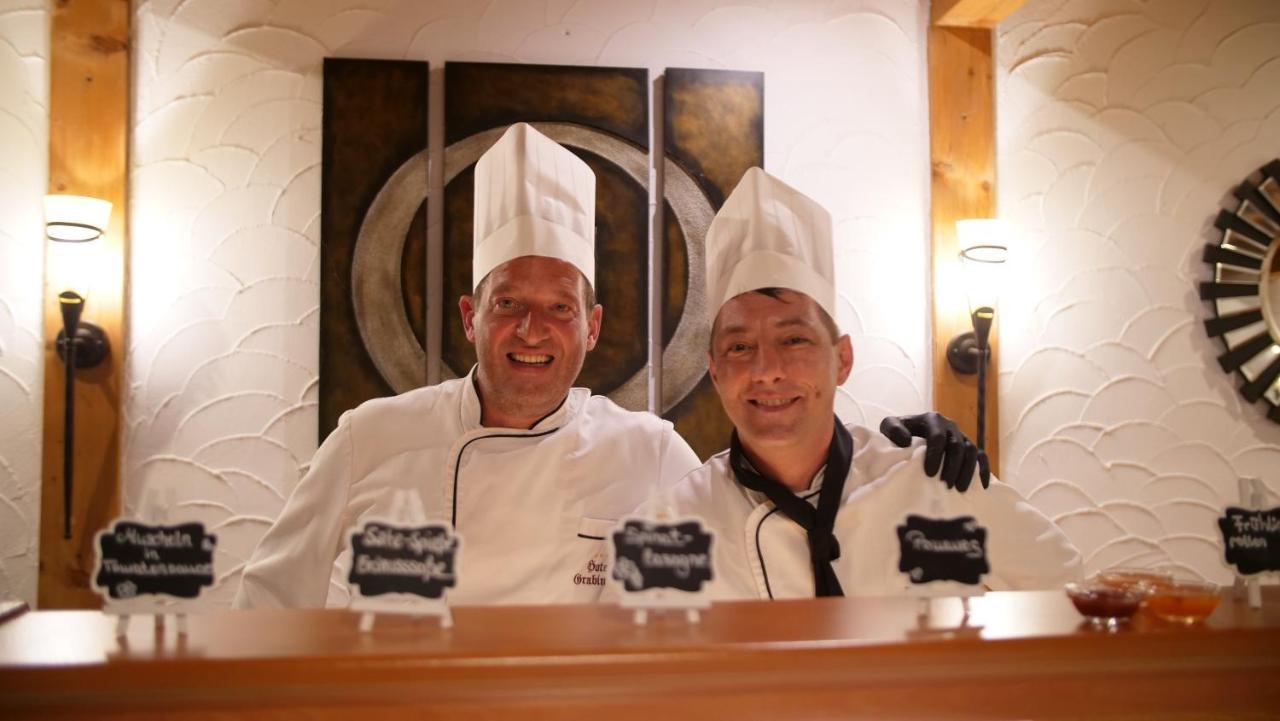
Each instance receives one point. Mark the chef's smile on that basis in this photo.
(773, 404)
(530, 359)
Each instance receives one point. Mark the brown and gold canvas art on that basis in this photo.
(375, 123)
(374, 241)
(713, 131)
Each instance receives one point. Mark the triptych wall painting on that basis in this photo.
(379, 271)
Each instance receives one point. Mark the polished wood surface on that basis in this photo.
(88, 134)
(1022, 655)
(973, 13)
(962, 160)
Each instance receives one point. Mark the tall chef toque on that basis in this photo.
(533, 197)
(769, 235)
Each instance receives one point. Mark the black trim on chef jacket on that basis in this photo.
(764, 568)
(453, 519)
(458, 465)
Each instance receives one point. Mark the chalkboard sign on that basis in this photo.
(419, 560)
(662, 555)
(1251, 539)
(943, 550)
(136, 559)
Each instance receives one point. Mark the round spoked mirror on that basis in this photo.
(1245, 291)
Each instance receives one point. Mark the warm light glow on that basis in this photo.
(76, 266)
(984, 248)
(74, 224)
(983, 239)
(75, 218)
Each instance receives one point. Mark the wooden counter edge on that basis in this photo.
(1176, 671)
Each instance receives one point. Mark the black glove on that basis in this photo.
(943, 438)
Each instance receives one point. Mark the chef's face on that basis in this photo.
(776, 365)
(531, 327)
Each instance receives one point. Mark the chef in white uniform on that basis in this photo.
(531, 472)
(801, 504)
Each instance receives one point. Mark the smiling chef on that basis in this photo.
(531, 472)
(802, 504)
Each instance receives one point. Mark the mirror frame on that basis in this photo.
(1245, 248)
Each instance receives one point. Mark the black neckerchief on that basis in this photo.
(818, 522)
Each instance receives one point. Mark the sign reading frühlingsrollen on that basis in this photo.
(1251, 539)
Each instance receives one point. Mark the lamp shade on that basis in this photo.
(984, 248)
(75, 218)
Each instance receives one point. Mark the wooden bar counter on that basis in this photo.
(1024, 655)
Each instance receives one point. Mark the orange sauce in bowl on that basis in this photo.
(1188, 607)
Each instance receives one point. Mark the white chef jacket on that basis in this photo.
(760, 553)
(533, 507)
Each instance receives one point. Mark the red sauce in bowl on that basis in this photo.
(1104, 603)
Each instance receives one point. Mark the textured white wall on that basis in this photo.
(225, 198)
(1121, 127)
(24, 132)
(1123, 124)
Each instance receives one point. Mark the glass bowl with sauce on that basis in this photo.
(1133, 578)
(1184, 602)
(1105, 606)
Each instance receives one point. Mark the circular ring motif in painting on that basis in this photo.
(379, 246)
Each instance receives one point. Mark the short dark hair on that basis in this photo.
(827, 322)
(588, 293)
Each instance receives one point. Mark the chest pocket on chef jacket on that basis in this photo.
(596, 529)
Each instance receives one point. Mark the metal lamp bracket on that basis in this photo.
(963, 353)
(91, 345)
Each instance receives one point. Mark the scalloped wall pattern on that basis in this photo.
(1123, 125)
(24, 133)
(225, 207)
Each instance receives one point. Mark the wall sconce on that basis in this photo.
(71, 221)
(984, 247)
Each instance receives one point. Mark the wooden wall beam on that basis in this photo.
(962, 156)
(88, 134)
(972, 13)
(962, 111)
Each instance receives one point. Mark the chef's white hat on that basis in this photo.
(533, 197)
(769, 235)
